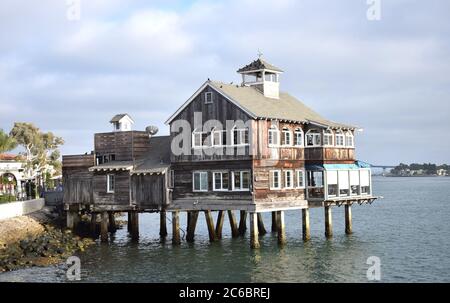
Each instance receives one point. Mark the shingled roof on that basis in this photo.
(157, 159)
(284, 108)
(119, 117)
(259, 64)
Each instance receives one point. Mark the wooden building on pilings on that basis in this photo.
(246, 147)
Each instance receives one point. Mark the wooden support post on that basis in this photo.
(348, 219)
(274, 221)
(176, 239)
(210, 224)
(281, 228)
(134, 225)
(93, 225)
(112, 222)
(305, 225)
(219, 224)
(162, 224)
(191, 227)
(233, 224)
(243, 222)
(254, 241)
(328, 222)
(129, 222)
(70, 223)
(261, 228)
(104, 227)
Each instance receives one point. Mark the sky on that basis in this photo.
(70, 71)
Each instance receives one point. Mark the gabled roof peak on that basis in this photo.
(259, 64)
(119, 117)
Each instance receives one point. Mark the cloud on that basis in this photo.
(389, 77)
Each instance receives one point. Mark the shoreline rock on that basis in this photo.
(37, 240)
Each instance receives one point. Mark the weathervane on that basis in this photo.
(259, 54)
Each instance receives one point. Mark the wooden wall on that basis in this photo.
(221, 110)
(77, 179)
(121, 195)
(149, 191)
(126, 146)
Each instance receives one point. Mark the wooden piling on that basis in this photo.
(70, 223)
(274, 221)
(219, 224)
(261, 227)
(191, 227)
(233, 224)
(348, 219)
(281, 228)
(129, 222)
(305, 225)
(176, 239)
(112, 222)
(162, 224)
(104, 227)
(243, 222)
(134, 225)
(254, 241)
(210, 224)
(328, 222)
(93, 225)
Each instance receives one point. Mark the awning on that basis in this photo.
(318, 167)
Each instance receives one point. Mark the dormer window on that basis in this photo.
(287, 137)
(208, 97)
(298, 137)
(313, 138)
(349, 139)
(274, 136)
(328, 137)
(340, 138)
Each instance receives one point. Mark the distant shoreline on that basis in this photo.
(421, 176)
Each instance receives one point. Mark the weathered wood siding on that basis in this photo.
(126, 146)
(221, 110)
(149, 191)
(330, 155)
(121, 195)
(77, 179)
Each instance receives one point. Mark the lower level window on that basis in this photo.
(241, 180)
(288, 179)
(300, 178)
(110, 183)
(220, 181)
(275, 182)
(200, 181)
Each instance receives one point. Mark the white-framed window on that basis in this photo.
(287, 136)
(315, 183)
(313, 138)
(171, 178)
(274, 136)
(332, 183)
(110, 184)
(298, 137)
(221, 181)
(208, 97)
(200, 181)
(300, 178)
(354, 182)
(344, 183)
(271, 77)
(241, 180)
(218, 137)
(364, 177)
(340, 138)
(349, 139)
(288, 179)
(239, 136)
(328, 137)
(199, 138)
(275, 179)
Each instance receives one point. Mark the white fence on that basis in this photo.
(15, 209)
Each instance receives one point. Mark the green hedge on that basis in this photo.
(7, 198)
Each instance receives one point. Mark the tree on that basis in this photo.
(41, 149)
(7, 142)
